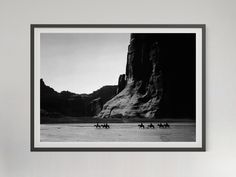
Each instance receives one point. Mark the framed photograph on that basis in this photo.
(117, 87)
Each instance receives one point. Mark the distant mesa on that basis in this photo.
(65, 103)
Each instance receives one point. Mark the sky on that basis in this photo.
(82, 62)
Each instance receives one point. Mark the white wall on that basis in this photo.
(16, 160)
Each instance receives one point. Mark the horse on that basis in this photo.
(141, 125)
(105, 126)
(97, 126)
(160, 125)
(151, 126)
(166, 125)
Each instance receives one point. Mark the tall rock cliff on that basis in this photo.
(140, 89)
(121, 83)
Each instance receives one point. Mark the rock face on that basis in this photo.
(54, 104)
(96, 106)
(121, 83)
(140, 89)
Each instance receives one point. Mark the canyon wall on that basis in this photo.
(140, 89)
(160, 78)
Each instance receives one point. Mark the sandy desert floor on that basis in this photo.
(118, 132)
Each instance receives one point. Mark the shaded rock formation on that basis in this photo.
(160, 78)
(56, 104)
(65, 102)
(121, 83)
(96, 106)
(140, 94)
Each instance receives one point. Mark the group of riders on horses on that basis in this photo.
(160, 125)
(105, 125)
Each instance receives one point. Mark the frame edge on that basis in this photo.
(40, 149)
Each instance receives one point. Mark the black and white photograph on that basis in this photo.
(114, 88)
(117, 87)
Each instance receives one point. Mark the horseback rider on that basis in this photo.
(141, 125)
(151, 125)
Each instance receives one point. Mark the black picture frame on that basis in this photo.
(33, 27)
